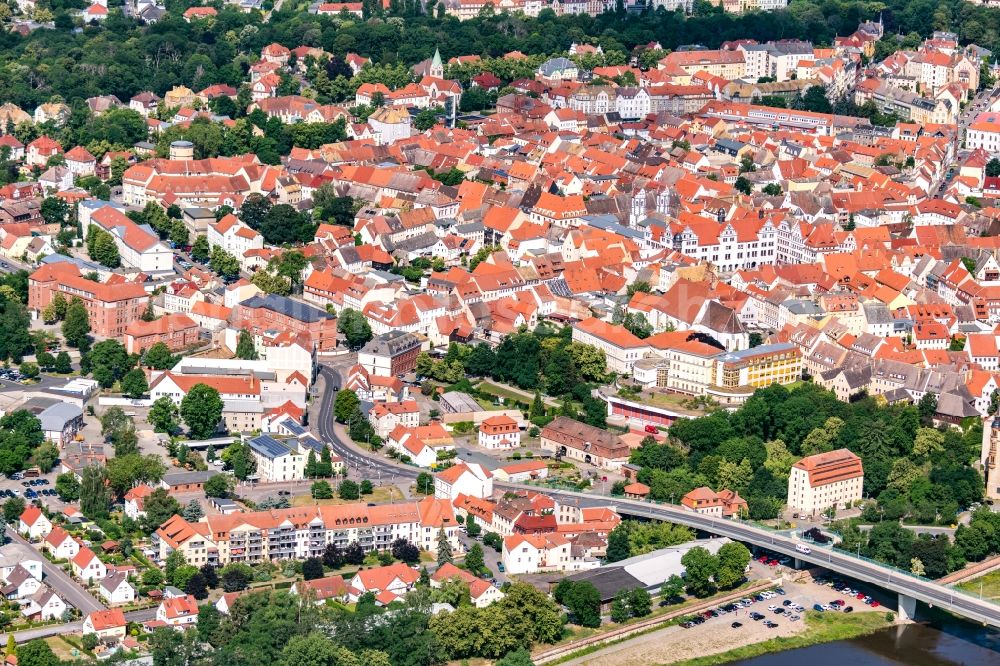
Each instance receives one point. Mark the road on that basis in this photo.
(61, 582)
(836, 561)
(44, 632)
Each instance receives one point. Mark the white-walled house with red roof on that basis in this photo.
(88, 567)
(471, 479)
(178, 612)
(60, 544)
(138, 245)
(33, 523)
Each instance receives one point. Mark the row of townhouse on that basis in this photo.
(299, 533)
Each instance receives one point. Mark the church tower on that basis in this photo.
(437, 67)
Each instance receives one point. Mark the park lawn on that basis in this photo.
(490, 387)
(380, 495)
(990, 586)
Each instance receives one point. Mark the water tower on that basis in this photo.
(182, 150)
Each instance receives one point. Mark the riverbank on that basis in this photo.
(717, 641)
(820, 628)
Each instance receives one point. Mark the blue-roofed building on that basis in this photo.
(278, 459)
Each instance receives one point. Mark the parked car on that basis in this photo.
(818, 608)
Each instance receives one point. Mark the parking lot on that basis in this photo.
(722, 630)
(30, 489)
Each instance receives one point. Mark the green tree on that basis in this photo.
(224, 263)
(584, 603)
(322, 490)
(474, 560)
(733, 559)
(95, 499)
(76, 325)
(618, 544)
(134, 384)
(199, 249)
(109, 361)
(63, 365)
(193, 511)
(68, 487)
(218, 486)
(163, 415)
(201, 410)
(700, 567)
(346, 405)
(12, 509)
(444, 552)
(159, 506)
(245, 348)
(347, 490)
(355, 328)
(45, 456)
(158, 357)
(425, 483)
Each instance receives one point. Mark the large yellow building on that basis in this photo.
(758, 367)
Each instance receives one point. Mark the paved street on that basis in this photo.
(44, 632)
(61, 582)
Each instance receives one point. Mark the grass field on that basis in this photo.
(380, 495)
(988, 584)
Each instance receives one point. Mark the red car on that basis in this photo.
(651, 429)
(772, 563)
(875, 604)
(859, 595)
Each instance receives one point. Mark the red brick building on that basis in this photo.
(278, 313)
(112, 307)
(176, 330)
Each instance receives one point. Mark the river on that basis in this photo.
(940, 643)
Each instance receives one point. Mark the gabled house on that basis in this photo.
(108, 625)
(178, 612)
(33, 523)
(87, 567)
(115, 589)
(60, 544)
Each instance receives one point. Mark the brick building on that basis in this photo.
(112, 307)
(176, 330)
(391, 354)
(279, 313)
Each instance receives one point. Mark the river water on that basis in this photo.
(943, 643)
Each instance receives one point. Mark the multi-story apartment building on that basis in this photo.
(233, 236)
(621, 348)
(832, 479)
(112, 307)
(271, 312)
(278, 460)
(282, 534)
(175, 330)
(138, 246)
(390, 354)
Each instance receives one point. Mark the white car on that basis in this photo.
(772, 608)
